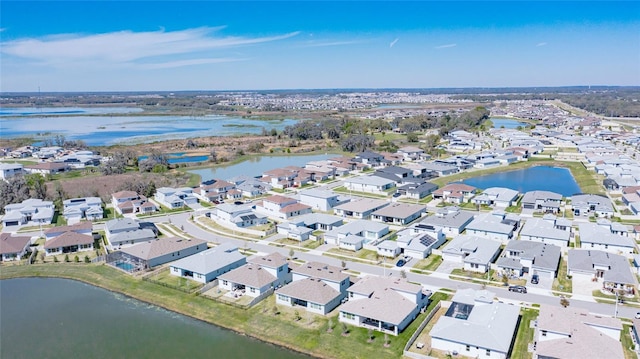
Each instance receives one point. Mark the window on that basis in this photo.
(544, 333)
(283, 298)
(488, 352)
(224, 282)
(468, 348)
(252, 290)
(315, 306)
(348, 316)
(280, 269)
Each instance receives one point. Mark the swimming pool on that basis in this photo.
(124, 266)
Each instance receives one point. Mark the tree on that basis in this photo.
(345, 329)
(14, 190)
(387, 342)
(412, 137)
(76, 259)
(55, 259)
(291, 253)
(275, 310)
(66, 258)
(564, 302)
(296, 315)
(357, 143)
(86, 259)
(330, 325)
(213, 156)
(343, 264)
(37, 185)
(403, 274)
(505, 279)
(370, 335)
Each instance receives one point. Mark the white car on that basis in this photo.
(638, 315)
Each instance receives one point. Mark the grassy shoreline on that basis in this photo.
(257, 322)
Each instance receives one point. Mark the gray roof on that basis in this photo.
(314, 218)
(250, 275)
(501, 193)
(212, 259)
(321, 270)
(358, 226)
(120, 224)
(400, 210)
(352, 240)
(490, 222)
(13, 244)
(318, 193)
(369, 180)
(383, 302)
(134, 235)
(544, 255)
(533, 196)
(161, 246)
(491, 326)
(511, 263)
(273, 260)
(582, 339)
(68, 239)
(593, 233)
(452, 219)
(386, 244)
(538, 227)
(584, 260)
(311, 290)
(477, 250)
(584, 200)
(362, 205)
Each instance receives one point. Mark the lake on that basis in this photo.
(60, 318)
(179, 157)
(104, 130)
(256, 165)
(541, 178)
(507, 123)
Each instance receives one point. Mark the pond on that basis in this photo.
(507, 123)
(60, 318)
(256, 165)
(537, 178)
(179, 157)
(125, 129)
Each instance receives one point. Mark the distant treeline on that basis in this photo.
(613, 102)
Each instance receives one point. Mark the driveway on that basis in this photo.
(584, 287)
(447, 267)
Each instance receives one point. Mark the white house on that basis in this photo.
(318, 287)
(175, 197)
(368, 230)
(388, 249)
(369, 184)
(611, 269)
(77, 209)
(31, 211)
(385, 304)
(476, 326)
(261, 275)
(591, 204)
(207, 265)
(451, 219)
(126, 231)
(127, 202)
(473, 253)
(281, 207)
(13, 247)
(398, 213)
(575, 333)
(359, 208)
(548, 229)
(8, 170)
(320, 200)
(69, 242)
(419, 244)
(496, 196)
(529, 257)
(158, 251)
(495, 225)
(600, 236)
(237, 215)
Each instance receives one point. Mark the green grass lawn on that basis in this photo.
(430, 263)
(562, 283)
(627, 343)
(311, 244)
(166, 278)
(525, 333)
(472, 275)
(308, 337)
(344, 190)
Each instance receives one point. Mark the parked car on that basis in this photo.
(401, 262)
(397, 194)
(517, 288)
(535, 279)
(638, 315)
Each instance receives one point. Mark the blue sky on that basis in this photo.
(210, 45)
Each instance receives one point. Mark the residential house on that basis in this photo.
(317, 287)
(419, 244)
(47, 168)
(368, 230)
(475, 325)
(158, 251)
(175, 197)
(474, 253)
(442, 169)
(496, 196)
(451, 219)
(385, 304)
(281, 207)
(529, 257)
(541, 201)
(207, 265)
(591, 204)
(398, 213)
(411, 153)
(395, 173)
(495, 225)
(250, 186)
(77, 209)
(320, 200)
(548, 229)
(126, 231)
(237, 215)
(13, 247)
(575, 333)
(260, 276)
(359, 208)
(369, 184)
(8, 170)
(612, 269)
(30, 211)
(80, 227)
(457, 193)
(130, 202)
(69, 242)
(213, 191)
(417, 190)
(301, 227)
(388, 248)
(600, 236)
(370, 158)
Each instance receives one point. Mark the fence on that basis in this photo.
(415, 335)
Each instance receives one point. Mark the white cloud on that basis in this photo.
(127, 47)
(393, 42)
(332, 43)
(541, 44)
(446, 46)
